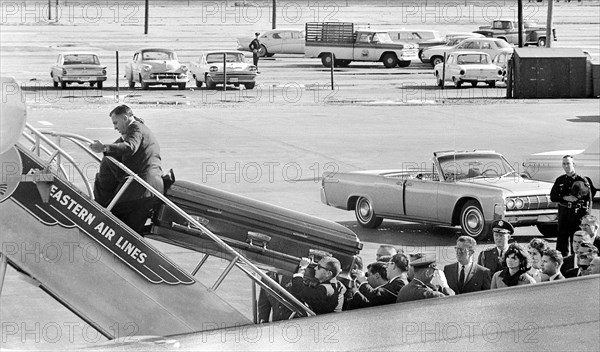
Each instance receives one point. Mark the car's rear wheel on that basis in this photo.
(436, 60)
(365, 215)
(405, 63)
(548, 230)
(472, 221)
(541, 41)
(181, 86)
(250, 85)
(92, 84)
(326, 60)
(389, 60)
(262, 51)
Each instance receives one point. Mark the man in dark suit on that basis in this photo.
(590, 224)
(328, 295)
(138, 150)
(465, 275)
(491, 258)
(586, 253)
(572, 261)
(267, 303)
(552, 260)
(369, 296)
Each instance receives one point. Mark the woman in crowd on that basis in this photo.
(515, 272)
(536, 248)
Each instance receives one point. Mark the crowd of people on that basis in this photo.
(395, 276)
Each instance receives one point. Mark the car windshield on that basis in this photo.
(472, 59)
(78, 59)
(231, 57)
(382, 37)
(429, 35)
(158, 55)
(472, 165)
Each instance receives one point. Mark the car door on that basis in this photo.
(297, 42)
(274, 42)
(489, 47)
(451, 69)
(57, 67)
(287, 44)
(421, 198)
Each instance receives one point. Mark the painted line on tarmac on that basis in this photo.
(45, 123)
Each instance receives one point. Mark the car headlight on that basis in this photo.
(104, 71)
(64, 71)
(519, 203)
(252, 68)
(500, 72)
(184, 68)
(462, 72)
(510, 204)
(147, 68)
(213, 69)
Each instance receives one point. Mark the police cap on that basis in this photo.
(422, 260)
(503, 226)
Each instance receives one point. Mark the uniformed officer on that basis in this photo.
(491, 258)
(427, 281)
(571, 208)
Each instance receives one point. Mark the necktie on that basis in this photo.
(461, 278)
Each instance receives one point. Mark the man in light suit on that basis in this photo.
(466, 275)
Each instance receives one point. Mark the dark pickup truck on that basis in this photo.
(509, 31)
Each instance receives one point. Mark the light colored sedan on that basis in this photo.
(468, 66)
(491, 46)
(547, 166)
(156, 66)
(470, 189)
(276, 41)
(78, 67)
(209, 69)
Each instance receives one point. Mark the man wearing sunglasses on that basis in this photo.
(328, 295)
(586, 253)
(572, 261)
(370, 296)
(590, 224)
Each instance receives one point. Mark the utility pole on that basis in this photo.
(274, 24)
(146, 10)
(549, 33)
(520, 21)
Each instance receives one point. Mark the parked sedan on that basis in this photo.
(78, 67)
(156, 66)
(468, 66)
(209, 69)
(491, 46)
(547, 166)
(470, 189)
(277, 41)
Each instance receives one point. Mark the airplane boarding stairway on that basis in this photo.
(80, 254)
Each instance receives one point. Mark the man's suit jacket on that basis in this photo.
(490, 259)
(266, 302)
(478, 279)
(558, 277)
(368, 296)
(568, 263)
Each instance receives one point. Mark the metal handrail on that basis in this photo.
(271, 285)
(58, 151)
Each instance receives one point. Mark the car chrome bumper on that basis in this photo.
(233, 78)
(82, 79)
(531, 219)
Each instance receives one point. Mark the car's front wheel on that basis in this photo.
(210, 84)
(55, 84)
(492, 84)
(365, 215)
(144, 85)
(472, 221)
(131, 82)
(326, 60)
(250, 85)
(548, 230)
(457, 82)
(63, 84)
(198, 83)
(474, 83)
(100, 85)
(181, 86)
(405, 63)
(440, 82)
